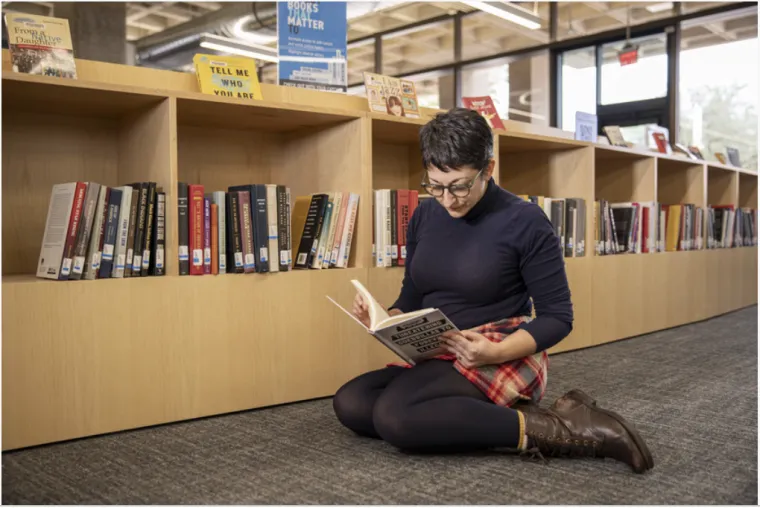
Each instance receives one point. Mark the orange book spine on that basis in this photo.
(214, 239)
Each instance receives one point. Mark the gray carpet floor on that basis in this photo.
(691, 391)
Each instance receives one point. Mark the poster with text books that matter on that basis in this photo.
(414, 336)
(394, 96)
(484, 106)
(40, 45)
(227, 76)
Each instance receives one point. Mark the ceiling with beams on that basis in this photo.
(433, 45)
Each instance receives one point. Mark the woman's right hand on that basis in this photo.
(361, 310)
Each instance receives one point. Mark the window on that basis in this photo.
(361, 59)
(519, 88)
(578, 85)
(645, 79)
(434, 89)
(719, 85)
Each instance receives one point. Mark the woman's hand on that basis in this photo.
(471, 349)
(361, 310)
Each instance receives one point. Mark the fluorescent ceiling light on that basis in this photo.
(215, 42)
(510, 12)
(662, 6)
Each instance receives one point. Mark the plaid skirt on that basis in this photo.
(510, 382)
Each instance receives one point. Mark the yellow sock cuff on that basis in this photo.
(521, 442)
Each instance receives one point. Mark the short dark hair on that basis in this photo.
(459, 137)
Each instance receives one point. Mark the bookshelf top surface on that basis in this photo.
(512, 141)
(204, 110)
(43, 94)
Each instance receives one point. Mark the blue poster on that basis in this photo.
(312, 45)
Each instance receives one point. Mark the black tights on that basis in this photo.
(428, 407)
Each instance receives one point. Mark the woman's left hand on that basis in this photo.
(471, 348)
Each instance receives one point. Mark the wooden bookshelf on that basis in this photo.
(82, 358)
(748, 190)
(722, 186)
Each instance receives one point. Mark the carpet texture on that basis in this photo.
(691, 391)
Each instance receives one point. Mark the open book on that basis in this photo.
(414, 336)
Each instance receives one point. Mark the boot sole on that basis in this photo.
(591, 403)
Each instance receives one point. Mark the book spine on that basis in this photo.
(214, 239)
(103, 226)
(195, 209)
(348, 231)
(85, 230)
(394, 227)
(183, 229)
(323, 231)
(220, 199)
(120, 249)
(71, 237)
(234, 243)
(272, 229)
(260, 228)
(57, 223)
(148, 242)
(334, 216)
(93, 251)
(308, 246)
(289, 234)
(206, 235)
(159, 234)
(140, 228)
(133, 205)
(282, 229)
(246, 232)
(112, 226)
(339, 228)
(387, 229)
(402, 225)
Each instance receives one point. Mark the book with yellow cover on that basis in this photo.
(40, 45)
(227, 76)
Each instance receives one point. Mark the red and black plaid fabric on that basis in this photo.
(509, 382)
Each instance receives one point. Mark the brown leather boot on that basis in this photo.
(576, 426)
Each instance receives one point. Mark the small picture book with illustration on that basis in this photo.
(40, 45)
(414, 336)
(394, 96)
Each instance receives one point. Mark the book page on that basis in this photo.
(377, 313)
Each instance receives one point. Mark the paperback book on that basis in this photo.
(414, 336)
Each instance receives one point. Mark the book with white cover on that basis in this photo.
(414, 336)
(56, 229)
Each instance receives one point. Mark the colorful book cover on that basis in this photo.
(484, 106)
(40, 45)
(394, 96)
(227, 76)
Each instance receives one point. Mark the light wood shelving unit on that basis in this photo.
(82, 358)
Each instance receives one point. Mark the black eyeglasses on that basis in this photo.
(460, 190)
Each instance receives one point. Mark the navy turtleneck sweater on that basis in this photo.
(486, 266)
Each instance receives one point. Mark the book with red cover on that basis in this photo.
(484, 105)
(662, 143)
(195, 212)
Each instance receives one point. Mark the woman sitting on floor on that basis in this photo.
(479, 254)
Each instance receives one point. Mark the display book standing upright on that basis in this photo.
(93, 231)
(413, 336)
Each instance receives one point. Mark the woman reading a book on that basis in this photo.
(480, 254)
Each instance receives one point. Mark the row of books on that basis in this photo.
(568, 216)
(392, 209)
(728, 227)
(323, 229)
(93, 231)
(249, 225)
(650, 226)
(256, 226)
